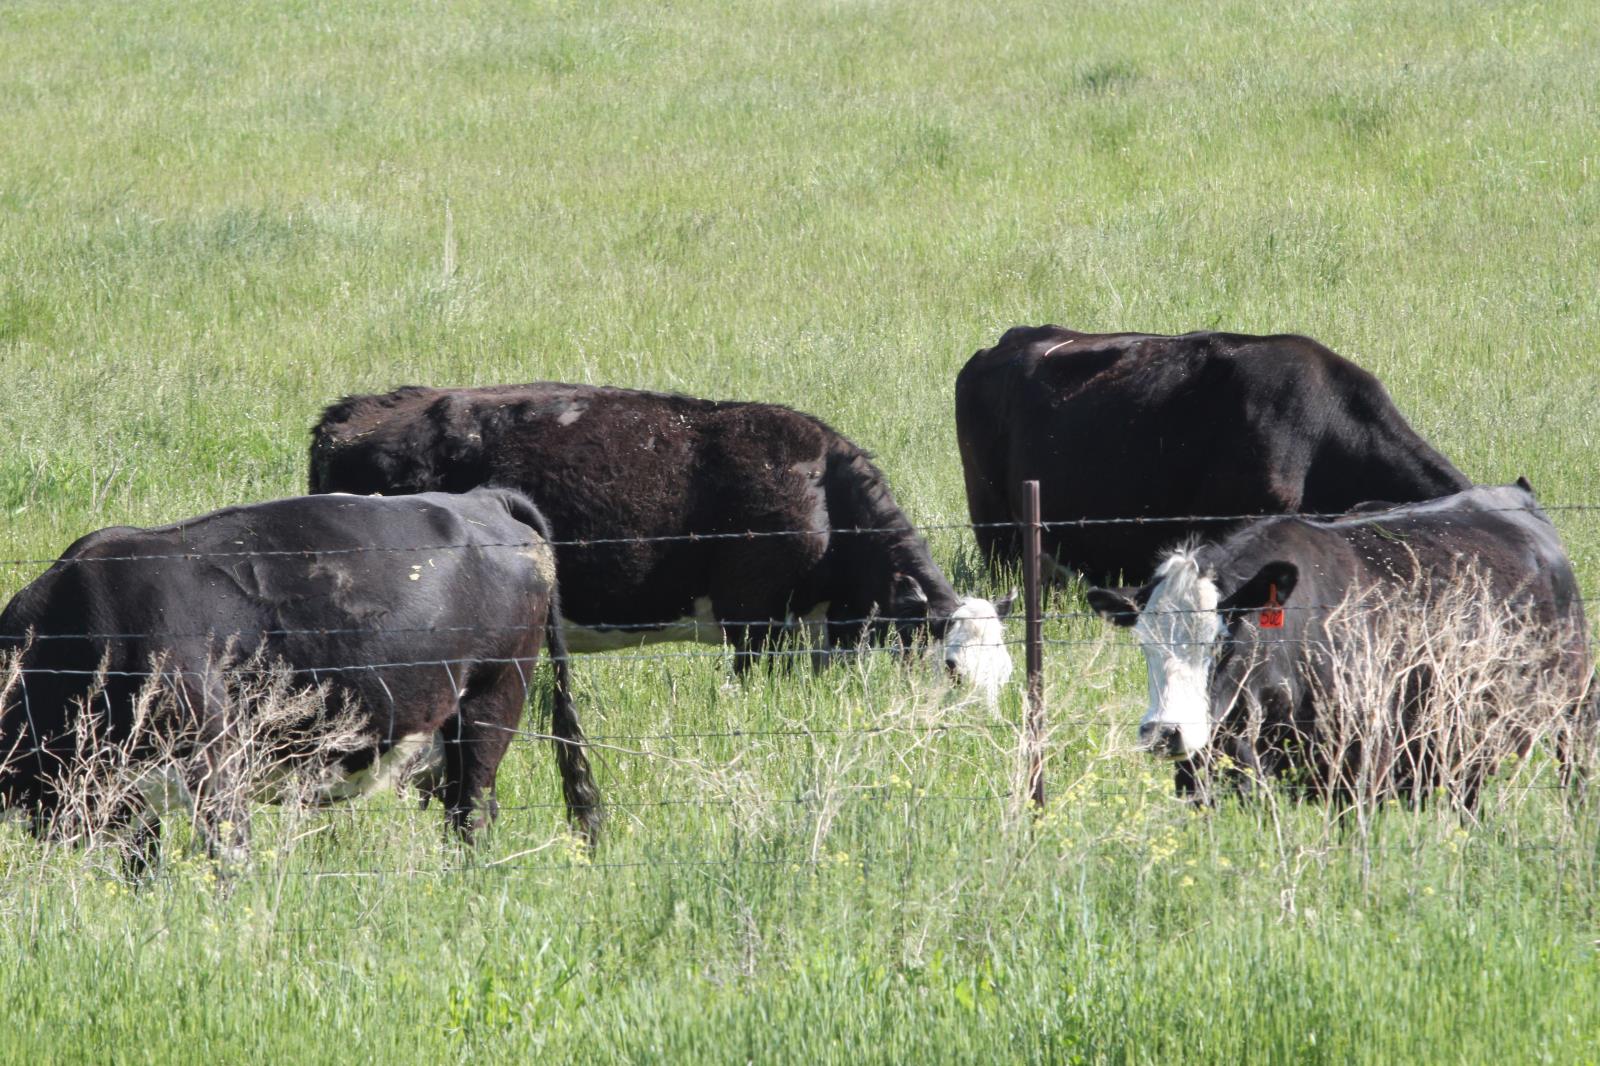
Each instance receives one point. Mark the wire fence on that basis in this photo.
(645, 630)
(765, 534)
(1000, 732)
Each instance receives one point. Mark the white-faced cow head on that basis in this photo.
(975, 644)
(972, 638)
(1199, 648)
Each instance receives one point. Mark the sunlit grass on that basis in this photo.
(214, 221)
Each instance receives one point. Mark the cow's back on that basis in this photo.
(635, 471)
(322, 582)
(1498, 531)
(419, 615)
(390, 578)
(1161, 428)
(1497, 535)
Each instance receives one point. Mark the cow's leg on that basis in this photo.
(1469, 792)
(751, 588)
(1575, 744)
(138, 832)
(844, 634)
(819, 628)
(997, 543)
(1246, 774)
(750, 645)
(747, 629)
(1572, 766)
(475, 740)
(1192, 780)
(988, 505)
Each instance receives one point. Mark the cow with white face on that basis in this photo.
(1179, 628)
(975, 644)
(680, 518)
(1235, 633)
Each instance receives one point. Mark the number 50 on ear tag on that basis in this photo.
(1271, 616)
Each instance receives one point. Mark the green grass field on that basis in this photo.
(215, 219)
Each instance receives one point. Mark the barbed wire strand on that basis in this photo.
(723, 652)
(608, 740)
(705, 632)
(757, 534)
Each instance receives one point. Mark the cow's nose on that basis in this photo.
(952, 665)
(1161, 738)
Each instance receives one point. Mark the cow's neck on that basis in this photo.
(912, 557)
(859, 498)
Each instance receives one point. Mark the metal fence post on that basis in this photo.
(1033, 603)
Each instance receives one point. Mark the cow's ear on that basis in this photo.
(1002, 608)
(906, 596)
(1117, 606)
(1273, 584)
(1525, 485)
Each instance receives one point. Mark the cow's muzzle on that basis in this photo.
(1159, 738)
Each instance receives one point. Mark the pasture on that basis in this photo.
(216, 220)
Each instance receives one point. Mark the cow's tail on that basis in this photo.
(577, 780)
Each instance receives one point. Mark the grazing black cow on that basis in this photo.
(611, 464)
(1240, 630)
(1129, 425)
(423, 616)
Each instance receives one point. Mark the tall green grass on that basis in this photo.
(213, 221)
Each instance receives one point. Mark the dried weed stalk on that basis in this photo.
(1422, 692)
(1431, 688)
(121, 768)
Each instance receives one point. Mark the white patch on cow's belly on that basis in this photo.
(410, 756)
(701, 628)
(164, 791)
(815, 622)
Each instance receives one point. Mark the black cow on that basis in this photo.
(1243, 658)
(1128, 425)
(608, 464)
(422, 615)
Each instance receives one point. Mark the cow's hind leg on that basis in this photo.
(1575, 745)
(138, 835)
(475, 740)
(999, 542)
(751, 644)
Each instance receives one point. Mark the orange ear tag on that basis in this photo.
(1272, 614)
